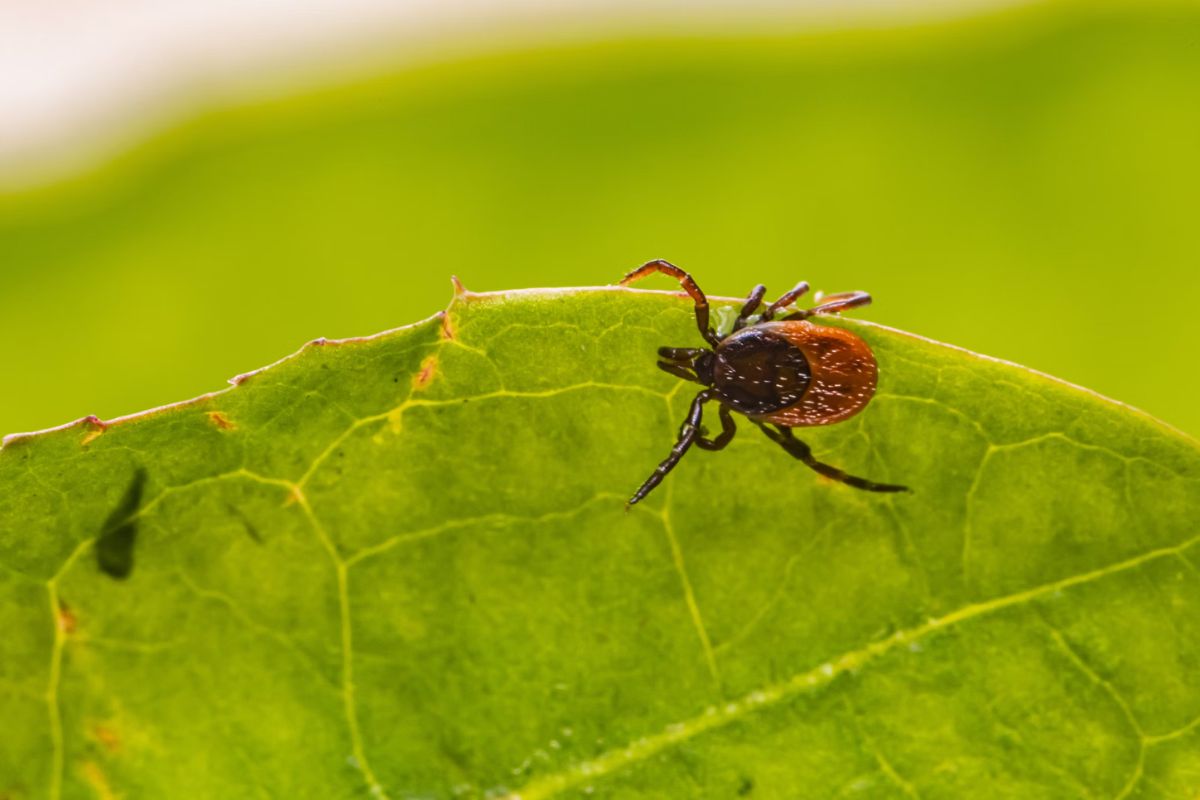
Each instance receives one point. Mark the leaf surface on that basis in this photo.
(400, 566)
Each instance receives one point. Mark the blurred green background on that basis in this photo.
(1024, 184)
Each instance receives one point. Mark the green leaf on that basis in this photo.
(401, 566)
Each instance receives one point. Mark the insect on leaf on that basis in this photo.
(400, 566)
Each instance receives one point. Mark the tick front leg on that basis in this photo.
(687, 435)
(834, 303)
(751, 305)
(680, 353)
(785, 300)
(679, 370)
(728, 429)
(689, 285)
(678, 361)
(798, 449)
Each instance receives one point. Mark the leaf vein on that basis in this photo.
(714, 718)
(689, 595)
(1078, 661)
(396, 412)
(467, 522)
(240, 614)
(55, 672)
(885, 766)
(347, 647)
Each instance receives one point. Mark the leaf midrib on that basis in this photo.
(715, 717)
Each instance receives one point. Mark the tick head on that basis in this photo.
(691, 363)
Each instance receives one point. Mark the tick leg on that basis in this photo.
(728, 429)
(834, 303)
(687, 435)
(679, 353)
(752, 304)
(689, 286)
(678, 361)
(678, 370)
(785, 300)
(787, 440)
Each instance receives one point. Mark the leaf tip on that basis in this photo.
(457, 285)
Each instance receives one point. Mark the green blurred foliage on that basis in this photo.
(1023, 184)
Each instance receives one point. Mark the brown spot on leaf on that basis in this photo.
(425, 375)
(447, 331)
(107, 737)
(66, 621)
(95, 428)
(221, 421)
(247, 525)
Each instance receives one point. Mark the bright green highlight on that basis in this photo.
(402, 565)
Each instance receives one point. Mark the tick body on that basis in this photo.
(779, 373)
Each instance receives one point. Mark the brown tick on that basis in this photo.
(779, 373)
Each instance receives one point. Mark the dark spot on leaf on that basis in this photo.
(456, 754)
(114, 546)
(251, 530)
(746, 786)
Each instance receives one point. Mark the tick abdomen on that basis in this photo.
(795, 373)
(842, 374)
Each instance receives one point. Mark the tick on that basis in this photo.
(779, 373)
